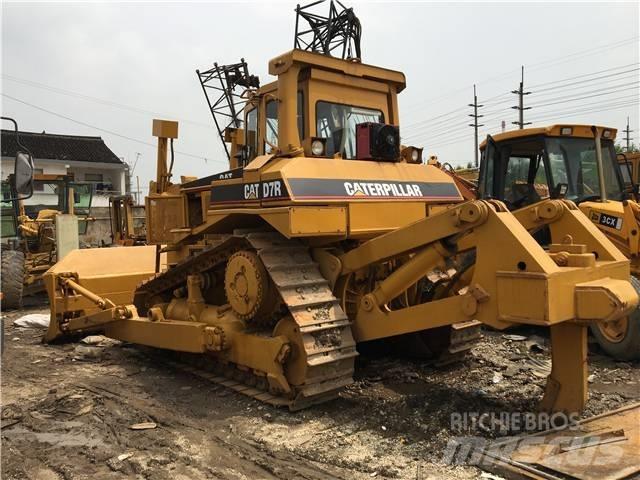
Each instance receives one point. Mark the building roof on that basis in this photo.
(47, 146)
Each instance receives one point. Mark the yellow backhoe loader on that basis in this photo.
(577, 163)
(28, 228)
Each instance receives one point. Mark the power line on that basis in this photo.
(533, 67)
(116, 134)
(537, 85)
(586, 108)
(585, 53)
(447, 125)
(588, 80)
(454, 137)
(101, 101)
(609, 107)
(567, 99)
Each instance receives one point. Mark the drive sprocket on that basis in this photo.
(249, 289)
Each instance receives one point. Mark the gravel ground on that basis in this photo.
(67, 412)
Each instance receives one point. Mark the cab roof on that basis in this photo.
(577, 131)
(354, 68)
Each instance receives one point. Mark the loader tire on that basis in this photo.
(12, 279)
(623, 343)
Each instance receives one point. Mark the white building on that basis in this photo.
(85, 159)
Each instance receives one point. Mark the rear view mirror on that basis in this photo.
(22, 178)
(23, 175)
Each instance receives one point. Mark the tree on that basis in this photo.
(623, 148)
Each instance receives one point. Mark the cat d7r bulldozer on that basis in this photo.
(324, 234)
(577, 163)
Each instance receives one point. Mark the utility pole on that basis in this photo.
(475, 125)
(137, 190)
(520, 107)
(628, 138)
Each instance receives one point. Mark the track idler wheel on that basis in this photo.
(249, 290)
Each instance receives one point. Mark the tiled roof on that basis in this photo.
(46, 146)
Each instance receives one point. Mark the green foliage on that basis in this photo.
(620, 148)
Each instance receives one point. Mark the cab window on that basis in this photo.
(626, 176)
(8, 213)
(251, 133)
(337, 123)
(525, 181)
(271, 131)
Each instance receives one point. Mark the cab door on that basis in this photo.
(489, 168)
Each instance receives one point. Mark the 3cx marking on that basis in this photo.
(610, 221)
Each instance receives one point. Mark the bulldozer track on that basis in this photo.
(324, 328)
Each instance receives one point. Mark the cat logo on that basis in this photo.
(251, 191)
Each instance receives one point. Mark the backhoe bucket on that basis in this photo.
(126, 268)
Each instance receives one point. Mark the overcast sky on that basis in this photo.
(144, 56)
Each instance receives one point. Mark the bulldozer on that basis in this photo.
(326, 233)
(29, 228)
(576, 163)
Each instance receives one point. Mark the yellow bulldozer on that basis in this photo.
(324, 234)
(577, 163)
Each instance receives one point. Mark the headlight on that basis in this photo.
(317, 147)
(411, 154)
(566, 131)
(607, 134)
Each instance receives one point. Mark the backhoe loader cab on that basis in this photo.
(577, 163)
(524, 166)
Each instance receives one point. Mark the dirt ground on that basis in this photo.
(67, 412)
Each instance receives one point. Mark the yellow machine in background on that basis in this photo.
(578, 163)
(28, 229)
(324, 234)
(121, 218)
(629, 167)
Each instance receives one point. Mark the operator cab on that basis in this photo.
(523, 167)
(324, 106)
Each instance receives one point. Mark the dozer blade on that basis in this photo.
(126, 268)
